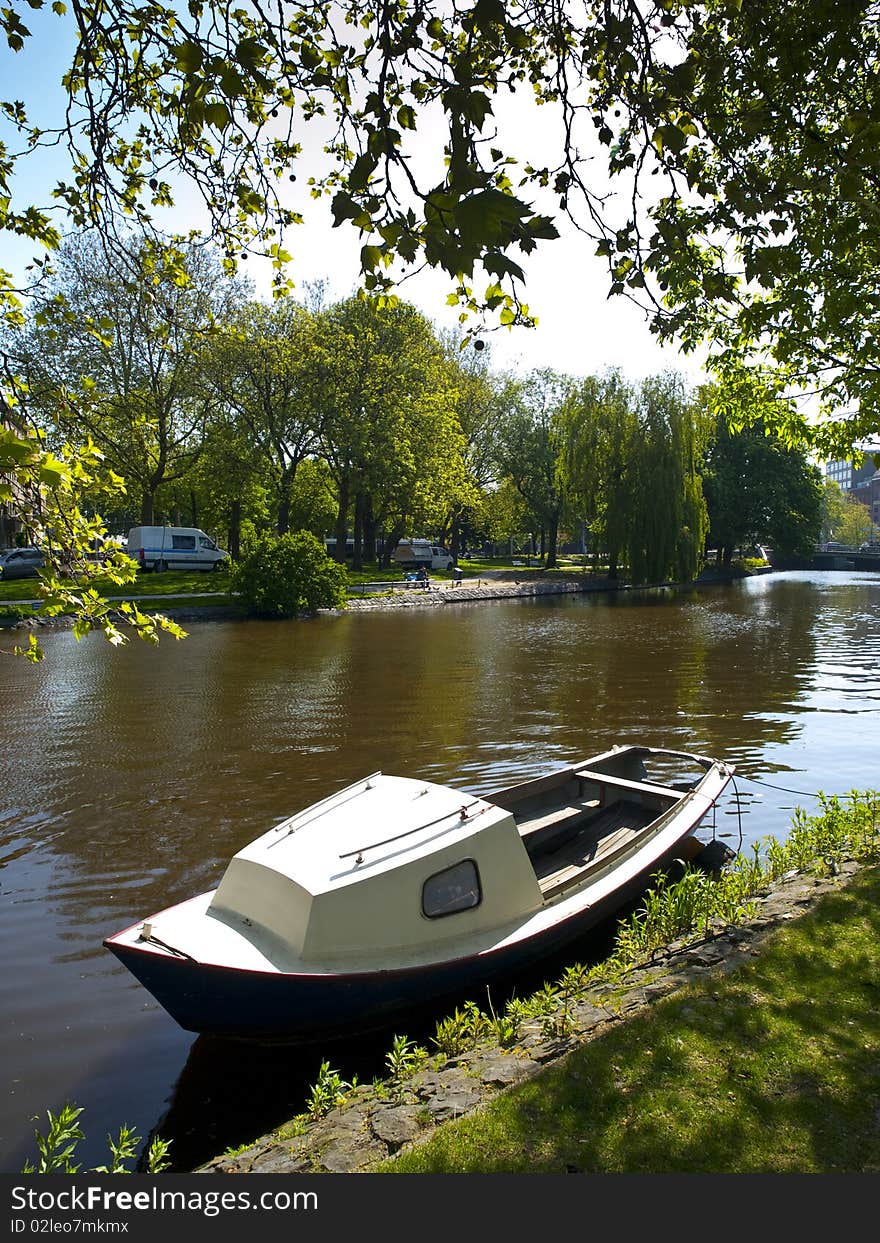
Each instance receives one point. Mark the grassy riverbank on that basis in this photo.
(772, 1068)
(194, 590)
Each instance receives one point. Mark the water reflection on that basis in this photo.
(129, 778)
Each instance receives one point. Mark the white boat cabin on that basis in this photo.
(386, 861)
(392, 867)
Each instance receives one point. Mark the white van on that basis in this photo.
(174, 548)
(410, 554)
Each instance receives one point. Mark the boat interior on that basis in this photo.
(579, 821)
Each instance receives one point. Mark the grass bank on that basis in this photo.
(771, 1069)
(177, 589)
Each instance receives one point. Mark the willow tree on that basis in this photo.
(668, 515)
(631, 459)
(597, 428)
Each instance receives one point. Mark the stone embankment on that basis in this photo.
(377, 1121)
(470, 590)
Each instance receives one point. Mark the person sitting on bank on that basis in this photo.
(456, 575)
(422, 576)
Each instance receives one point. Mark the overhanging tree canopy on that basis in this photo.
(760, 122)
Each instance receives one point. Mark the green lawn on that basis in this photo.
(173, 583)
(771, 1068)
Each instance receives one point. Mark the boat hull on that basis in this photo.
(304, 1008)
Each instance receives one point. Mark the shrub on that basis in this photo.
(281, 576)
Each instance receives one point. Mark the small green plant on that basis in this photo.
(157, 1155)
(558, 1020)
(544, 1000)
(403, 1060)
(290, 1130)
(506, 1027)
(329, 1091)
(122, 1149)
(560, 1023)
(462, 1030)
(575, 979)
(58, 1146)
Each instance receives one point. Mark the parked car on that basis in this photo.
(870, 546)
(21, 563)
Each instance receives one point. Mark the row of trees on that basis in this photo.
(722, 157)
(245, 416)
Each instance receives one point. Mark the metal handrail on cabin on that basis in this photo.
(462, 815)
(314, 807)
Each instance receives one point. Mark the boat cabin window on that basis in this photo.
(455, 889)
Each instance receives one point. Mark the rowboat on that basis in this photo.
(395, 893)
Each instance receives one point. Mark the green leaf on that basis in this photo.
(343, 207)
(371, 257)
(188, 57)
(310, 55)
(218, 115)
(669, 138)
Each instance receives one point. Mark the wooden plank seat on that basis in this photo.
(665, 793)
(569, 815)
(604, 835)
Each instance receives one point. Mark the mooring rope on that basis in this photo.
(786, 789)
(801, 793)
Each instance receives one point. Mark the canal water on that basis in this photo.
(130, 776)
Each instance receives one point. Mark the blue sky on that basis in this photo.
(580, 330)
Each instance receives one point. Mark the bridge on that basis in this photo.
(841, 557)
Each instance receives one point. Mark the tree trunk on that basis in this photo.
(147, 509)
(235, 530)
(552, 541)
(194, 508)
(342, 519)
(369, 530)
(360, 504)
(284, 488)
(392, 540)
(455, 540)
